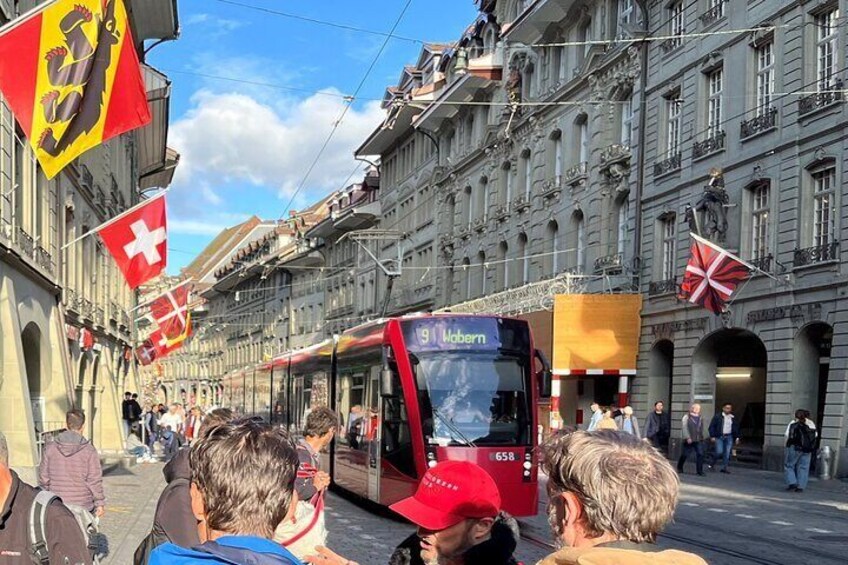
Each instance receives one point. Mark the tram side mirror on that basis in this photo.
(387, 383)
(543, 375)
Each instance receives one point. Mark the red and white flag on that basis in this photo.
(138, 241)
(157, 346)
(170, 311)
(146, 352)
(712, 275)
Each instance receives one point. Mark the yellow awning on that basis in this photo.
(596, 334)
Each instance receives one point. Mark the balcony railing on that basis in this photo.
(114, 311)
(124, 319)
(44, 260)
(86, 308)
(501, 212)
(712, 15)
(614, 262)
(577, 173)
(71, 298)
(552, 187)
(25, 242)
(521, 202)
(615, 153)
(671, 43)
(830, 95)
(710, 145)
(764, 122)
(100, 315)
(478, 224)
(763, 263)
(668, 165)
(817, 254)
(667, 286)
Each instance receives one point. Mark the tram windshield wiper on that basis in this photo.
(452, 428)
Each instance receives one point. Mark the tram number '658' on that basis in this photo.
(503, 456)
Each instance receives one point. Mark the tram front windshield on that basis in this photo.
(477, 394)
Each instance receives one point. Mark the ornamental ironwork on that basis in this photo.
(662, 287)
(668, 165)
(577, 172)
(671, 43)
(712, 15)
(25, 242)
(829, 96)
(763, 263)
(709, 145)
(614, 262)
(521, 202)
(44, 260)
(764, 122)
(817, 254)
(615, 153)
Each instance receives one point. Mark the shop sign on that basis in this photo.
(798, 312)
(669, 328)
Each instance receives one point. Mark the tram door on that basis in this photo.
(373, 433)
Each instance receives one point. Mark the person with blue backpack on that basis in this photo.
(800, 445)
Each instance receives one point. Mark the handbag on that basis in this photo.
(307, 530)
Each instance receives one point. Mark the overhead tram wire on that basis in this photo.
(346, 108)
(317, 21)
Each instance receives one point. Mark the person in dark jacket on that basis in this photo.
(692, 434)
(63, 536)
(70, 467)
(724, 434)
(320, 428)
(130, 411)
(174, 519)
(658, 428)
(242, 487)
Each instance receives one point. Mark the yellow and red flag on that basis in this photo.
(71, 76)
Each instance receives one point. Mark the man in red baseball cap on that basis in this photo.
(457, 509)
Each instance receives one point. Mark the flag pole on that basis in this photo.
(23, 18)
(161, 294)
(159, 194)
(734, 257)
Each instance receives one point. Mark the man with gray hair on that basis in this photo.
(61, 540)
(609, 496)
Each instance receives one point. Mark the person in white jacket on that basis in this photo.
(597, 416)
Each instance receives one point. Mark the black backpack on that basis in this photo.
(156, 537)
(803, 438)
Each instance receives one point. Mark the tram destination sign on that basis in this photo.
(442, 334)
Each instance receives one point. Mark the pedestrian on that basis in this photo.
(457, 508)
(150, 425)
(724, 434)
(242, 487)
(169, 441)
(658, 429)
(172, 419)
(628, 423)
(173, 520)
(136, 447)
(607, 422)
(597, 416)
(192, 423)
(308, 530)
(130, 411)
(800, 445)
(354, 426)
(70, 468)
(692, 434)
(61, 541)
(610, 495)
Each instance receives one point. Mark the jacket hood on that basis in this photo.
(70, 443)
(178, 467)
(619, 556)
(497, 550)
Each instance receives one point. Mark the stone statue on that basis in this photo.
(692, 220)
(713, 205)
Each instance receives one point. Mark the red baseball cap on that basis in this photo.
(450, 492)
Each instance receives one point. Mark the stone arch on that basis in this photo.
(36, 352)
(661, 373)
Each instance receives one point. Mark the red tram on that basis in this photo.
(410, 392)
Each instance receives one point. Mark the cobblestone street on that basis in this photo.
(729, 520)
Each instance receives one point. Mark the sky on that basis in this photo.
(247, 143)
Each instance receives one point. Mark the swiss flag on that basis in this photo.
(138, 241)
(146, 352)
(171, 311)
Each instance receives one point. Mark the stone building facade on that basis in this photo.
(778, 134)
(65, 317)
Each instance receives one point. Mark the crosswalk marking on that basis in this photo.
(781, 523)
(692, 504)
(819, 531)
(718, 510)
(746, 516)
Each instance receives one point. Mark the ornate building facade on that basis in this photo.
(65, 317)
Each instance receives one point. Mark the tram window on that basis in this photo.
(351, 391)
(397, 439)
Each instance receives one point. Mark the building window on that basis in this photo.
(482, 207)
(717, 8)
(558, 158)
(715, 82)
(466, 271)
(552, 260)
(626, 109)
(626, 17)
(503, 266)
(581, 240)
(824, 200)
(481, 258)
(506, 183)
(765, 77)
(623, 223)
(675, 25)
(672, 126)
(527, 164)
(826, 48)
(584, 36)
(760, 222)
(669, 246)
(522, 262)
(582, 141)
(469, 206)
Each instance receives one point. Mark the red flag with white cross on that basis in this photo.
(138, 240)
(146, 352)
(171, 311)
(712, 275)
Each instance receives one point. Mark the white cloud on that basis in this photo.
(228, 139)
(196, 227)
(214, 25)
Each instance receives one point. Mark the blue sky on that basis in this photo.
(245, 147)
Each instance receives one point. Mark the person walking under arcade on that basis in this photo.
(724, 434)
(800, 445)
(692, 434)
(658, 429)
